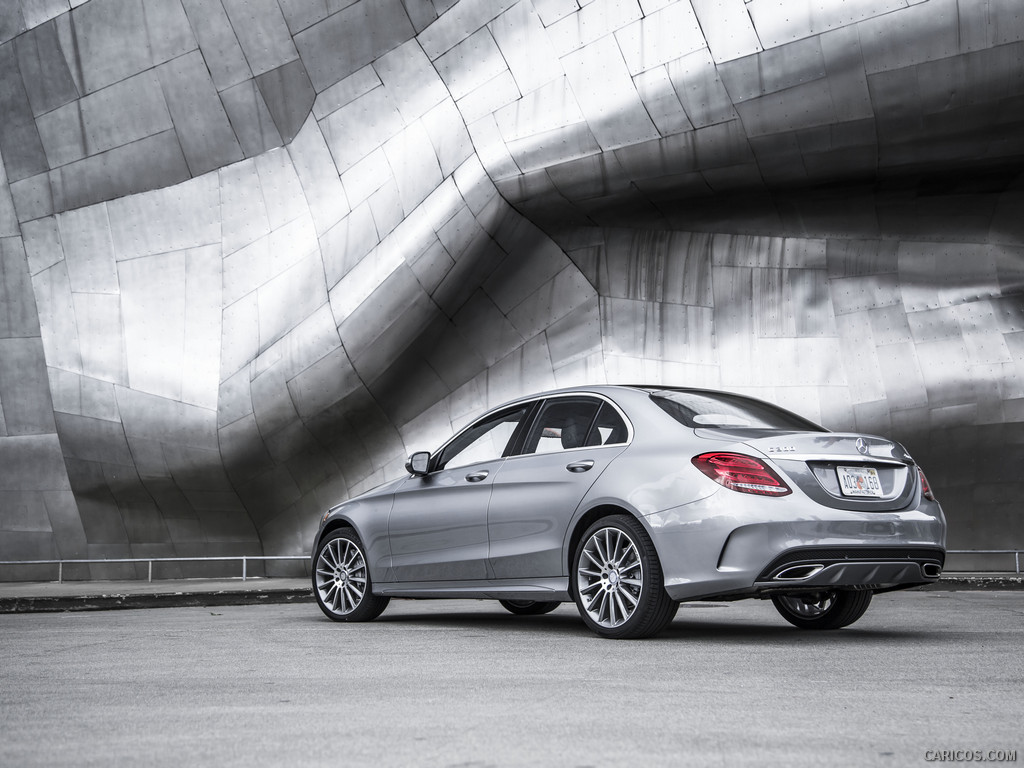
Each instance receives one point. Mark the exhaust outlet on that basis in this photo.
(798, 572)
(931, 570)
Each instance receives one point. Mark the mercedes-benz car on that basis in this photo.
(629, 500)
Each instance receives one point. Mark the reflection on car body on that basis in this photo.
(629, 500)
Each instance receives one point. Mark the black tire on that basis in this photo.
(830, 609)
(617, 580)
(341, 579)
(528, 607)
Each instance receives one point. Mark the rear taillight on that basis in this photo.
(741, 473)
(926, 490)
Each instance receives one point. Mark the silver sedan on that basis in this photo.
(629, 500)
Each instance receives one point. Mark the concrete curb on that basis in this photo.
(115, 601)
(34, 598)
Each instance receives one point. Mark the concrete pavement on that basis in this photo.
(438, 683)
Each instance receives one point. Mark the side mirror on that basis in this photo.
(418, 463)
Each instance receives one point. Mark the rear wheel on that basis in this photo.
(830, 609)
(341, 579)
(617, 580)
(528, 607)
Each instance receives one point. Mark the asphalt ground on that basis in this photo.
(463, 683)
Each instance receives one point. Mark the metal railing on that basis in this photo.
(243, 559)
(1015, 552)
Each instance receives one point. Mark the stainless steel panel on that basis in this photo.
(660, 100)
(533, 260)
(449, 136)
(289, 96)
(490, 97)
(422, 13)
(100, 336)
(168, 30)
(19, 317)
(606, 95)
(544, 110)
(660, 37)
(218, 43)
(290, 297)
(321, 385)
(470, 64)
(551, 11)
(240, 334)
(165, 220)
(386, 207)
(119, 114)
(32, 463)
(357, 129)
(593, 21)
(137, 167)
(315, 170)
(243, 212)
(525, 47)
(20, 144)
(458, 23)
(336, 47)
(844, 62)
(552, 301)
(262, 33)
(168, 421)
(413, 83)
(24, 388)
(345, 91)
(12, 21)
(485, 336)
(727, 27)
(414, 165)
(936, 31)
(199, 118)
(700, 89)
(782, 21)
(8, 215)
(44, 69)
(89, 253)
(109, 42)
(250, 118)
(774, 70)
(57, 322)
(345, 245)
(281, 188)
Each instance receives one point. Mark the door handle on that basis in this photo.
(476, 477)
(580, 466)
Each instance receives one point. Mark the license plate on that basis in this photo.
(859, 481)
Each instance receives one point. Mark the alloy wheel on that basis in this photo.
(341, 576)
(610, 577)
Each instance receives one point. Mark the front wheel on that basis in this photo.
(617, 580)
(830, 609)
(341, 579)
(528, 607)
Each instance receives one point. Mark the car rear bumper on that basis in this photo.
(730, 544)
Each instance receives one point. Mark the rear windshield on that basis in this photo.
(720, 410)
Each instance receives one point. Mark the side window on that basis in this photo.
(608, 429)
(563, 424)
(484, 441)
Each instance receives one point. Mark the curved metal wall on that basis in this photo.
(253, 254)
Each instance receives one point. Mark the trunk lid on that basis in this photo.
(839, 470)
